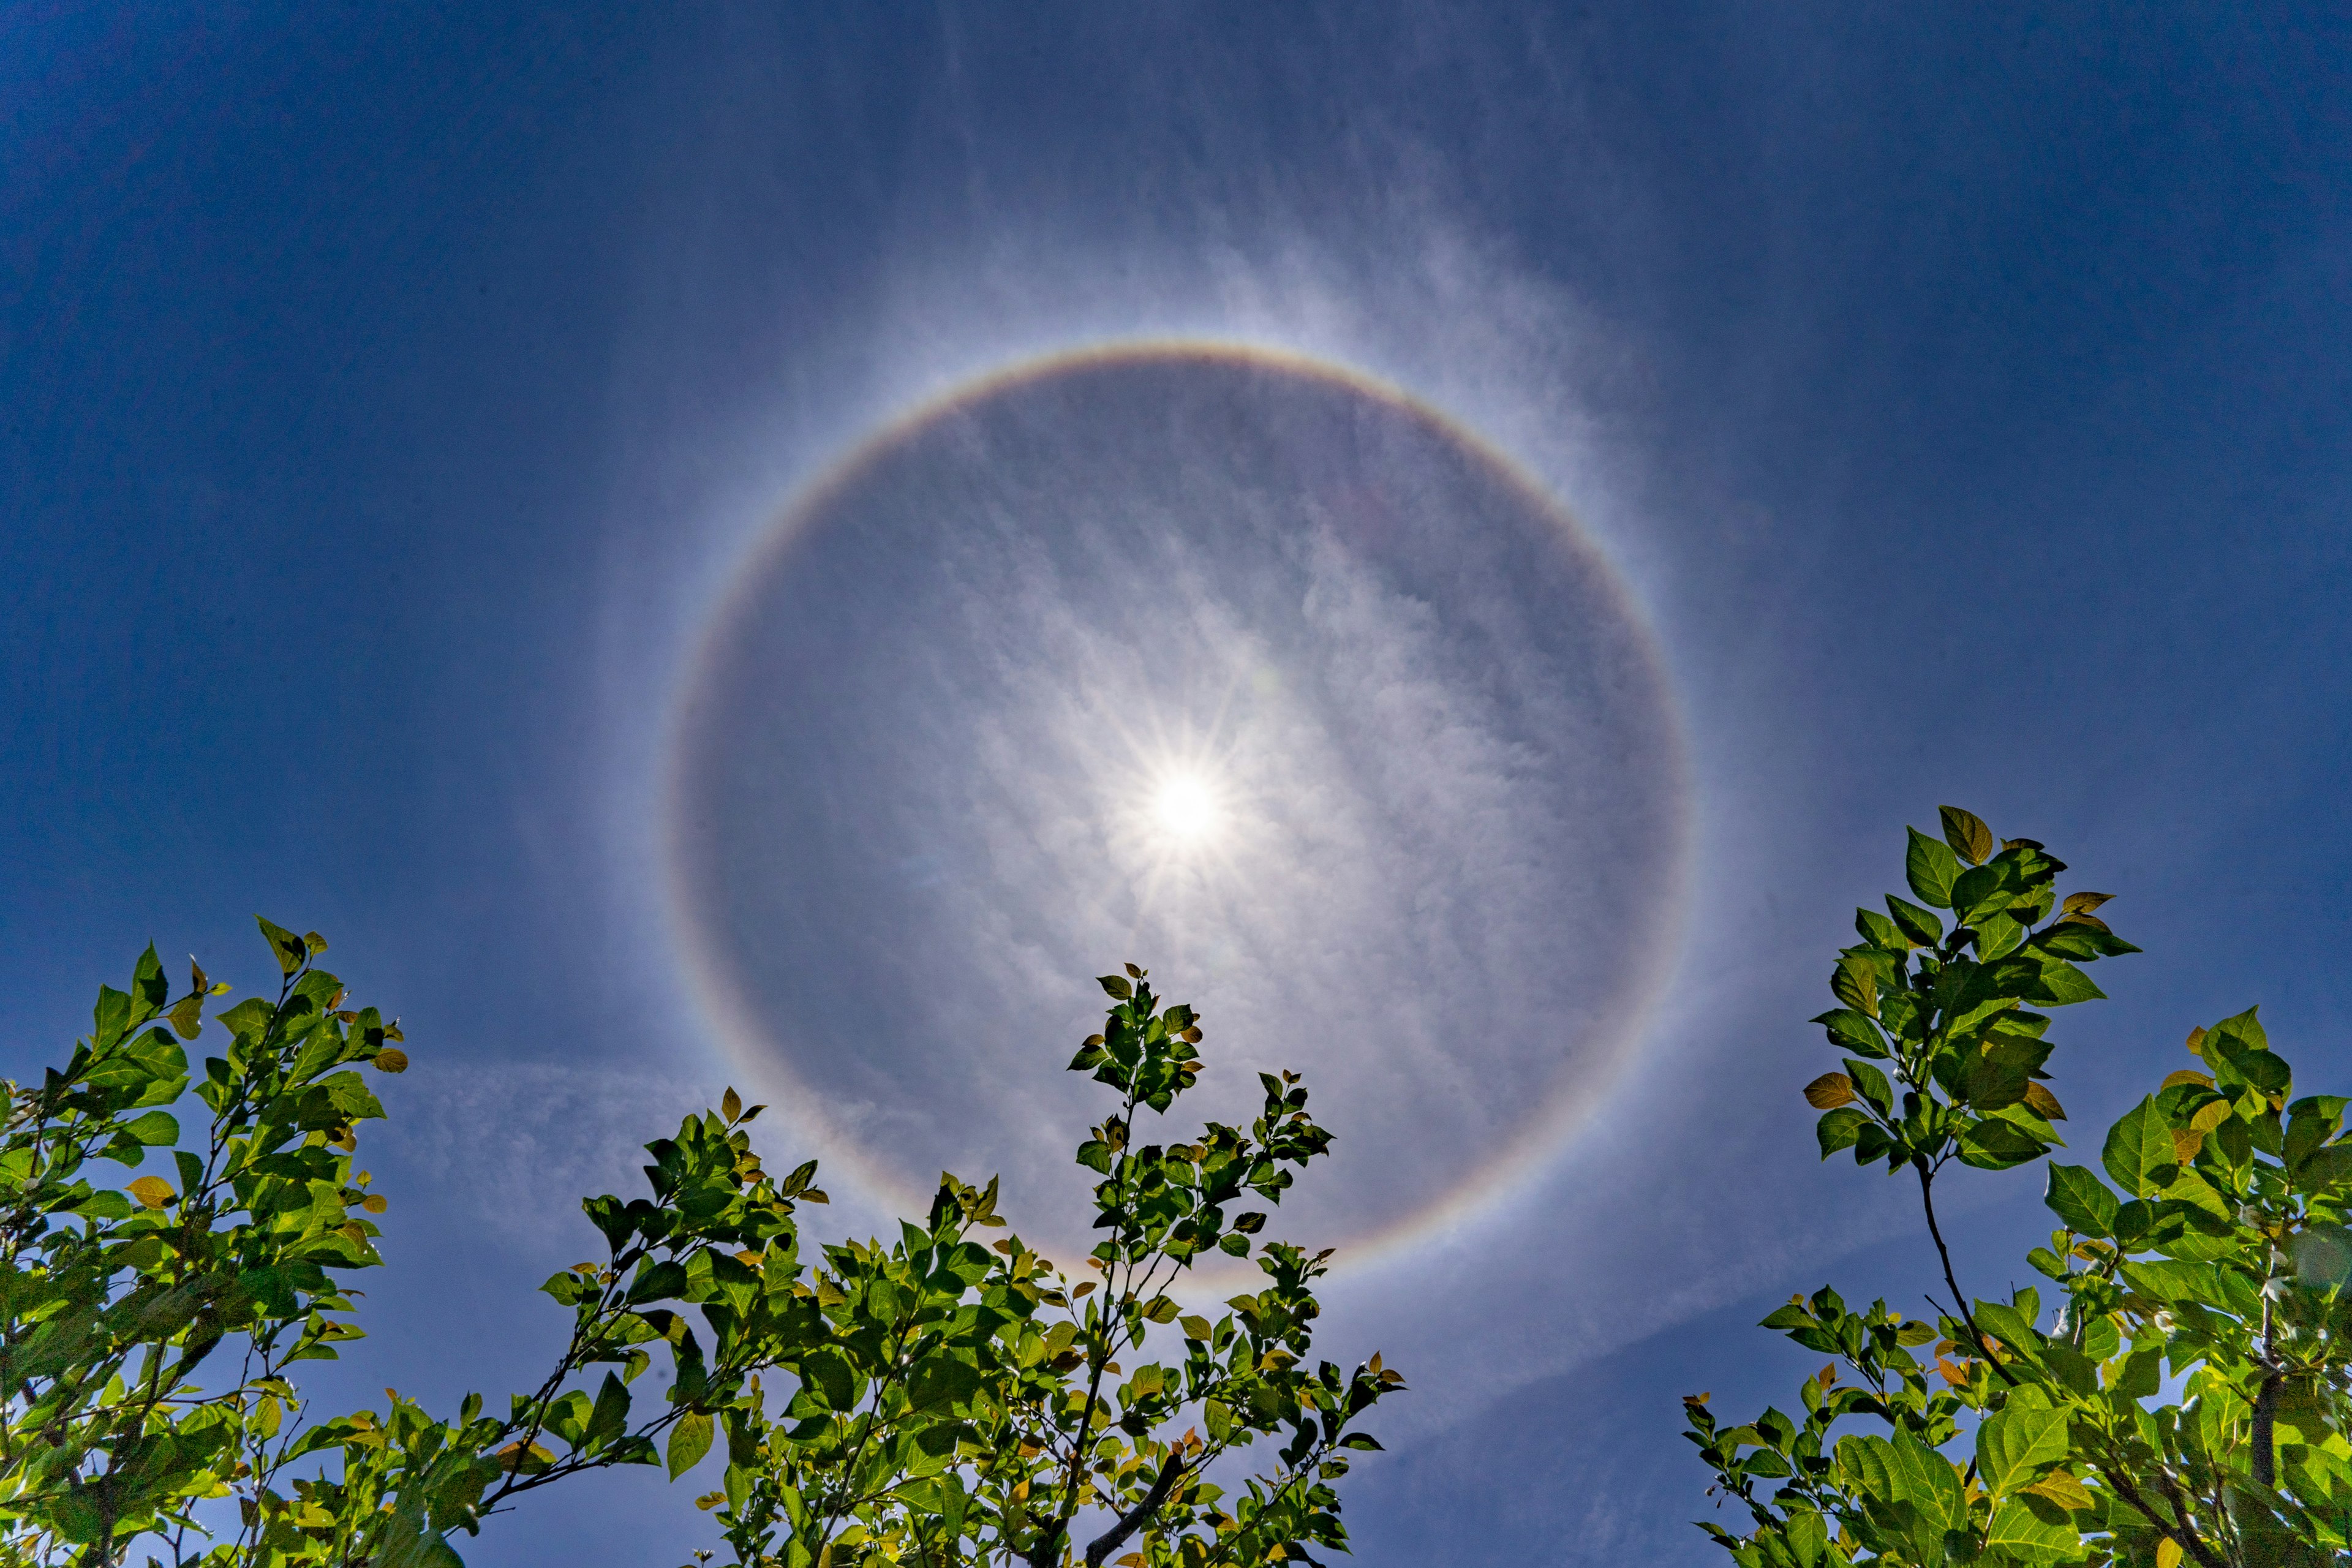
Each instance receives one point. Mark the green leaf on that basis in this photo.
(2165, 1280)
(2062, 985)
(2015, 1444)
(2244, 1028)
(1931, 868)
(1966, 833)
(689, 1441)
(941, 1380)
(1877, 930)
(1997, 936)
(1920, 925)
(1993, 1144)
(1872, 1084)
(157, 1128)
(1838, 1129)
(2073, 1369)
(2325, 1168)
(1115, 985)
(827, 1373)
(2017, 1531)
(291, 950)
(1854, 1031)
(611, 1416)
(2140, 1153)
(1980, 891)
(2141, 1374)
(1855, 984)
(1930, 1483)
(2077, 1196)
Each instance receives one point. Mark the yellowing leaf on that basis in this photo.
(2186, 1142)
(2196, 1041)
(2167, 1553)
(2065, 1491)
(2186, 1075)
(731, 1105)
(392, 1059)
(2084, 903)
(1966, 833)
(2044, 1103)
(1829, 1091)
(153, 1192)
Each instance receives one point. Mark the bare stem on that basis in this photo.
(1960, 1301)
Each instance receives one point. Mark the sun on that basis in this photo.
(1186, 809)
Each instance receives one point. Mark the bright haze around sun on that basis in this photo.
(1236, 665)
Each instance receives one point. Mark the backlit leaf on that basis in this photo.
(292, 950)
(2082, 1200)
(2066, 1491)
(1992, 1144)
(1931, 868)
(1838, 1129)
(1920, 925)
(2015, 1444)
(689, 1441)
(1829, 1091)
(2139, 1152)
(1966, 833)
(157, 1128)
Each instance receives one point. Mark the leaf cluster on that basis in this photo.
(2184, 1400)
(114, 1298)
(941, 1397)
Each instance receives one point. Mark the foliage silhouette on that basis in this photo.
(932, 1398)
(2183, 1400)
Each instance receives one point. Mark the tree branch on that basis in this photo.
(2181, 1531)
(1960, 1301)
(1139, 1515)
(2265, 1465)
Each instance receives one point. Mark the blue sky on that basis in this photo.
(391, 399)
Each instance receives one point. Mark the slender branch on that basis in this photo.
(1041, 1555)
(1960, 1301)
(1133, 1519)
(2180, 1531)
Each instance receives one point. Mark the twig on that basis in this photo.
(1926, 1199)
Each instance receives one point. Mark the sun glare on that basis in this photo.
(1187, 809)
